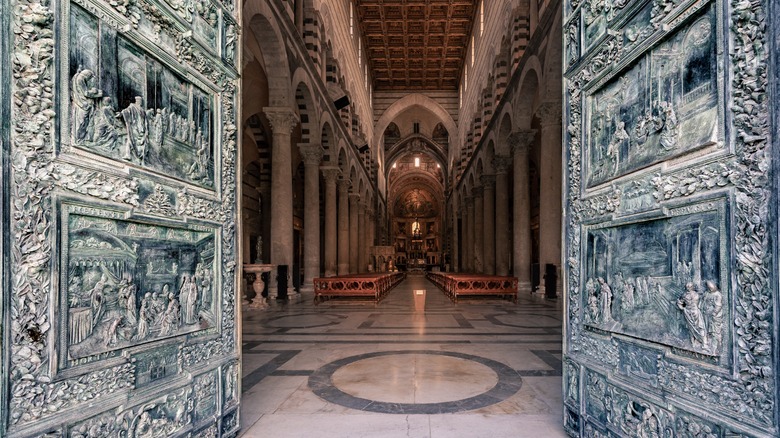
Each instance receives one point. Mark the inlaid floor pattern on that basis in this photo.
(350, 368)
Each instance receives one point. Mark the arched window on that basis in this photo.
(481, 18)
(351, 19)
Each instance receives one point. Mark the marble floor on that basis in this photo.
(347, 368)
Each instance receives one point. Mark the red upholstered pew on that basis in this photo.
(374, 286)
(456, 285)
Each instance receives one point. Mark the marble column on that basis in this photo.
(343, 226)
(354, 232)
(470, 234)
(521, 142)
(282, 120)
(312, 156)
(479, 225)
(330, 174)
(550, 193)
(489, 224)
(455, 238)
(362, 264)
(368, 238)
(503, 237)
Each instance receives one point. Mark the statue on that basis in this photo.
(259, 250)
(83, 95)
(135, 121)
(189, 300)
(689, 304)
(713, 314)
(105, 128)
(605, 294)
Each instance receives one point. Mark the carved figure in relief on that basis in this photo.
(136, 124)
(713, 315)
(689, 304)
(156, 128)
(105, 125)
(627, 303)
(605, 293)
(145, 317)
(648, 427)
(669, 130)
(230, 42)
(127, 291)
(199, 167)
(171, 318)
(84, 95)
(613, 148)
(594, 310)
(189, 300)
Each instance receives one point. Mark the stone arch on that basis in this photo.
(553, 61)
(276, 64)
(307, 110)
(328, 142)
(527, 95)
(504, 130)
(408, 101)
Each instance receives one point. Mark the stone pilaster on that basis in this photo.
(343, 226)
(489, 224)
(354, 232)
(503, 237)
(330, 174)
(550, 190)
(455, 214)
(282, 120)
(479, 253)
(521, 142)
(312, 156)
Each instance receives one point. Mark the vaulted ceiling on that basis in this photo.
(416, 44)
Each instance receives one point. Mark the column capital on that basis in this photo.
(476, 192)
(549, 113)
(282, 119)
(488, 181)
(521, 141)
(343, 185)
(469, 201)
(502, 164)
(330, 173)
(312, 153)
(354, 199)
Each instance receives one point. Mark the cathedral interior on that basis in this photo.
(389, 218)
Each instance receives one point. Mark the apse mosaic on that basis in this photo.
(663, 106)
(128, 282)
(127, 106)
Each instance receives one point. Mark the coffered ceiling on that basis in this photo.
(416, 44)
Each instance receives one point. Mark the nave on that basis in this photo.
(348, 368)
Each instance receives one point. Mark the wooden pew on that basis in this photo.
(374, 286)
(456, 285)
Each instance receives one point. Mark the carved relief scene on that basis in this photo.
(128, 283)
(661, 280)
(664, 105)
(127, 106)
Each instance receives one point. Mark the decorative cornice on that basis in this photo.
(521, 141)
(312, 153)
(502, 164)
(549, 113)
(282, 119)
(488, 181)
(330, 174)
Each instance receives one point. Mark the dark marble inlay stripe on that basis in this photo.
(509, 382)
(282, 357)
(549, 359)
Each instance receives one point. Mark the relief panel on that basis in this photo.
(670, 187)
(661, 279)
(662, 106)
(131, 282)
(128, 106)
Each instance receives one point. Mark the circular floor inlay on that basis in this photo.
(415, 378)
(415, 382)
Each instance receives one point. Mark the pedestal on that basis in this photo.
(258, 302)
